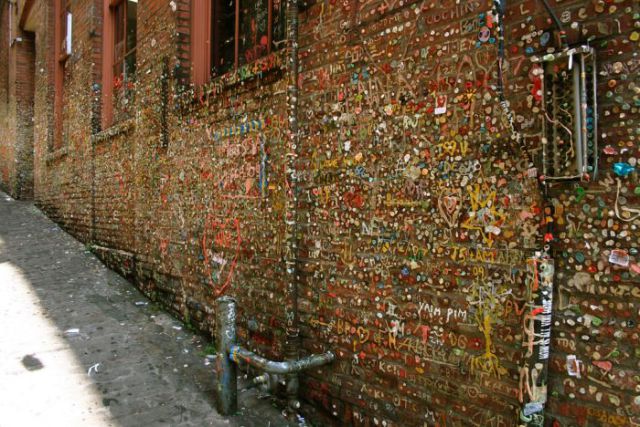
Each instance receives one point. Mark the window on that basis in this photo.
(119, 67)
(62, 51)
(124, 60)
(227, 34)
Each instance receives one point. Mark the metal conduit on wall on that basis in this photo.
(230, 354)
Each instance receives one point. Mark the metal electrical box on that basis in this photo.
(570, 121)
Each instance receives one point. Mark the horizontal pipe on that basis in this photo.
(239, 354)
(549, 57)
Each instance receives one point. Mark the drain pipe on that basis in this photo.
(292, 340)
(227, 375)
(229, 354)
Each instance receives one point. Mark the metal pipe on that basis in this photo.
(583, 116)
(226, 371)
(10, 26)
(557, 170)
(563, 178)
(556, 21)
(594, 88)
(550, 57)
(291, 345)
(239, 354)
(229, 354)
(516, 136)
(577, 118)
(546, 144)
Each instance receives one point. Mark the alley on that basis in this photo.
(80, 346)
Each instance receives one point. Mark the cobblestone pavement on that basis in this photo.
(80, 346)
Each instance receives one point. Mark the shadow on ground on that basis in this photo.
(83, 347)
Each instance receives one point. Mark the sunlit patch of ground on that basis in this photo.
(41, 381)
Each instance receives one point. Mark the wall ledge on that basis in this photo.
(122, 262)
(56, 154)
(120, 128)
(261, 72)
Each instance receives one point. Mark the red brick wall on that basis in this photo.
(16, 95)
(7, 136)
(596, 314)
(401, 276)
(64, 171)
(417, 215)
(24, 95)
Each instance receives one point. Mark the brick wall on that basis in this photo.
(24, 95)
(597, 309)
(418, 216)
(7, 136)
(408, 166)
(16, 94)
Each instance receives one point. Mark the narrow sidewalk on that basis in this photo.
(80, 346)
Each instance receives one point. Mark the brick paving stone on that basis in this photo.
(76, 350)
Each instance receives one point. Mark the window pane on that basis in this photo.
(254, 18)
(130, 66)
(278, 23)
(130, 60)
(223, 31)
(117, 72)
(118, 34)
(124, 64)
(68, 31)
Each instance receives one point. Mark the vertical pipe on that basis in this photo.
(545, 130)
(291, 226)
(93, 191)
(558, 169)
(557, 23)
(237, 37)
(164, 106)
(577, 117)
(227, 387)
(594, 94)
(583, 114)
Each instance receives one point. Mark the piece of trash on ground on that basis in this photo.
(72, 332)
(93, 368)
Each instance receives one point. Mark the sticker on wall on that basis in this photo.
(441, 104)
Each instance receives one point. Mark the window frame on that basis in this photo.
(203, 38)
(110, 52)
(121, 23)
(61, 53)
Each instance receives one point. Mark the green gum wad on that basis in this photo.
(596, 321)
